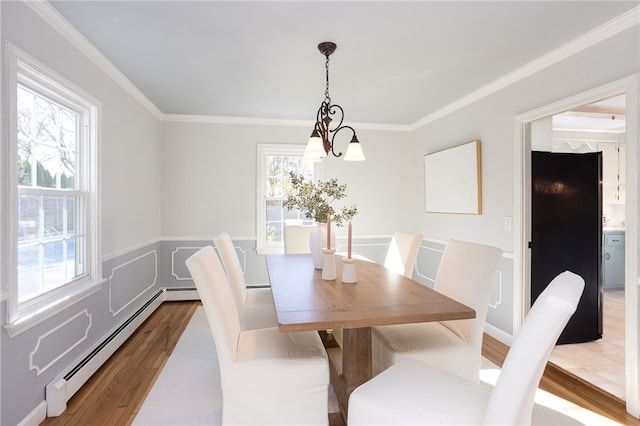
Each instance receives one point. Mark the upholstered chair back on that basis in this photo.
(231, 264)
(466, 273)
(513, 396)
(402, 253)
(217, 299)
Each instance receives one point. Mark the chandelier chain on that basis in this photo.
(326, 91)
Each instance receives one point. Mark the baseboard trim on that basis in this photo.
(498, 334)
(35, 417)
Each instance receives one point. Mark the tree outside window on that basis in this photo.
(50, 225)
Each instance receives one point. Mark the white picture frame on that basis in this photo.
(453, 181)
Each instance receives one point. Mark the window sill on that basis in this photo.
(32, 319)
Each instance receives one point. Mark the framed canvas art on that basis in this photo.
(452, 180)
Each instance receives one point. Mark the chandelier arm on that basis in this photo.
(322, 125)
(335, 132)
(332, 110)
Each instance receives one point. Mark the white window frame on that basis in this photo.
(265, 150)
(27, 71)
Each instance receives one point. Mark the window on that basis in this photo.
(275, 162)
(53, 199)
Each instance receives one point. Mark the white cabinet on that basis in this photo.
(613, 260)
(613, 172)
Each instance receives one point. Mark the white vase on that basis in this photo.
(318, 241)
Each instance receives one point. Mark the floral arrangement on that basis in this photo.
(314, 200)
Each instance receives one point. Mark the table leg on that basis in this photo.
(356, 365)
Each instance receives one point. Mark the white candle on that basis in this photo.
(349, 242)
(328, 231)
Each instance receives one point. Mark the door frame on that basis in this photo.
(522, 218)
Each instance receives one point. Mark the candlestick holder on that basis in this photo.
(328, 264)
(349, 275)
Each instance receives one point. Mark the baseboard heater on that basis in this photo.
(63, 387)
(173, 294)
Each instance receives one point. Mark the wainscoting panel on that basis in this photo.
(131, 280)
(429, 256)
(67, 335)
(500, 313)
(179, 255)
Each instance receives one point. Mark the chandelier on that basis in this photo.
(321, 141)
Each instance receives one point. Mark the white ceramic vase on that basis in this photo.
(318, 241)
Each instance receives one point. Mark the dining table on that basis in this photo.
(305, 302)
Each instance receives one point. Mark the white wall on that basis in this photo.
(209, 178)
(130, 134)
(131, 175)
(491, 120)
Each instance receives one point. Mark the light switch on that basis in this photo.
(507, 223)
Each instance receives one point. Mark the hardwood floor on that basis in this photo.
(116, 392)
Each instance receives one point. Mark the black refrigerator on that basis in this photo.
(566, 233)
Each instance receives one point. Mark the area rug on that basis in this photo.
(187, 390)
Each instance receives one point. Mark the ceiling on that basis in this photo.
(606, 115)
(396, 62)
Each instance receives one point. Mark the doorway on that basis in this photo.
(594, 129)
(522, 225)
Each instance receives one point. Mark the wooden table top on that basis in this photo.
(304, 301)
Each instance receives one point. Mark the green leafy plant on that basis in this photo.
(314, 199)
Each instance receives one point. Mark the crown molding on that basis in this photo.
(609, 29)
(64, 27)
(255, 121)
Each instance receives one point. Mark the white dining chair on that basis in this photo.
(255, 305)
(402, 253)
(412, 392)
(466, 274)
(296, 239)
(267, 377)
